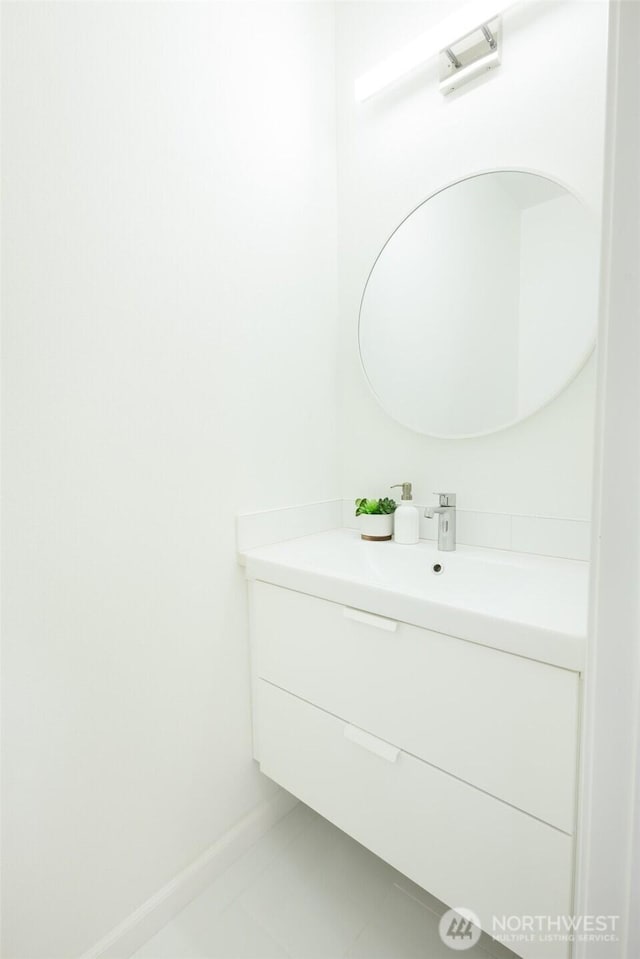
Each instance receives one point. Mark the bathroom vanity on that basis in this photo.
(433, 716)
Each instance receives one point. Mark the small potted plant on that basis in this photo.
(376, 518)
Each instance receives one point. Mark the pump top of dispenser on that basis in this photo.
(406, 490)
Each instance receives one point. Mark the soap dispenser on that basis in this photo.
(406, 522)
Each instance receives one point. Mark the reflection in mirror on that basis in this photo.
(481, 307)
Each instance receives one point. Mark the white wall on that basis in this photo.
(608, 878)
(169, 359)
(542, 110)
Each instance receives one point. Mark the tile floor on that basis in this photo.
(305, 890)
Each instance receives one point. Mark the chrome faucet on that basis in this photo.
(446, 520)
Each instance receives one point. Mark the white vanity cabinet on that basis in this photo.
(453, 761)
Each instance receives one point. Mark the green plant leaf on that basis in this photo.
(375, 507)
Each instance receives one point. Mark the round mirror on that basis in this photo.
(481, 306)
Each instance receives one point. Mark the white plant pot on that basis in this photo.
(376, 527)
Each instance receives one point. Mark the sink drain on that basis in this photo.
(437, 568)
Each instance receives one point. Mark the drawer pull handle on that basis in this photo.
(359, 616)
(371, 743)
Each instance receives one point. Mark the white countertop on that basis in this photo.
(532, 606)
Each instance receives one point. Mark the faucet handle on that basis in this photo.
(446, 499)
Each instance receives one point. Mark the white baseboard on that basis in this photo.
(151, 916)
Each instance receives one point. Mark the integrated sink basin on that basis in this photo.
(529, 605)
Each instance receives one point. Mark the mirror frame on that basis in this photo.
(575, 371)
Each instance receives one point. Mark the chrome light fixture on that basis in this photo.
(467, 43)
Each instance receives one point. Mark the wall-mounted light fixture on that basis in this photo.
(467, 42)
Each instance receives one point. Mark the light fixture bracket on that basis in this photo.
(470, 56)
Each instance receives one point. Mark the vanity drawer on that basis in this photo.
(506, 724)
(463, 846)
